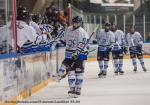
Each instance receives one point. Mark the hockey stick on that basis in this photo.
(80, 52)
(92, 50)
(113, 62)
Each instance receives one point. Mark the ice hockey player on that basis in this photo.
(135, 42)
(105, 39)
(118, 49)
(76, 38)
(24, 31)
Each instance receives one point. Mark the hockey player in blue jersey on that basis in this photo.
(75, 55)
(135, 43)
(119, 49)
(105, 39)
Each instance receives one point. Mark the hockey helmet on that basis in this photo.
(77, 19)
(36, 18)
(22, 13)
(107, 24)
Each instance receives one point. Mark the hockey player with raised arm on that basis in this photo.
(118, 49)
(105, 39)
(76, 38)
(135, 43)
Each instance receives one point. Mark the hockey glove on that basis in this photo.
(125, 50)
(94, 42)
(109, 49)
(74, 57)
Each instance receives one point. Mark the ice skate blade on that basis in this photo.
(56, 78)
(73, 95)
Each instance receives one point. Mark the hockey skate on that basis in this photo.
(72, 94)
(121, 72)
(144, 69)
(102, 74)
(57, 78)
(77, 94)
(116, 72)
(135, 69)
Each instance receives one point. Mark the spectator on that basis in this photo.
(34, 24)
(62, 18)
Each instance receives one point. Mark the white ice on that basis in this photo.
(128, 89)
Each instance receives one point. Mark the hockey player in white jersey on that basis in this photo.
(118, 49)
(135, 42)
(105, 39)
(24, 31)
(76, 38)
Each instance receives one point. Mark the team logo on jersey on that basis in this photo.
(81, 45)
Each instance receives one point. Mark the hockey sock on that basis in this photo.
(120, 64)
(105, 65)
(134, 62)
(71, 79)
(79, 82)
(142, 62)
(62, 70)
(116, 63)
(100, 65)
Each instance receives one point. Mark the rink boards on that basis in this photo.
(23, 75)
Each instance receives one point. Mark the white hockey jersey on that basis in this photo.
(120, 40)
(24, 33)
(105, 38)
(134, 39)
(36, 27)
(75, 40)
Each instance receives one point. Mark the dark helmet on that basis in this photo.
(22, 13)
(20, 9)
(36, 18)
(77, 19)
(107, 24)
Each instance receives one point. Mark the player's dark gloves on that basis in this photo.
(109, 49)
(74, 57)
(94, 42)
(125, 50)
